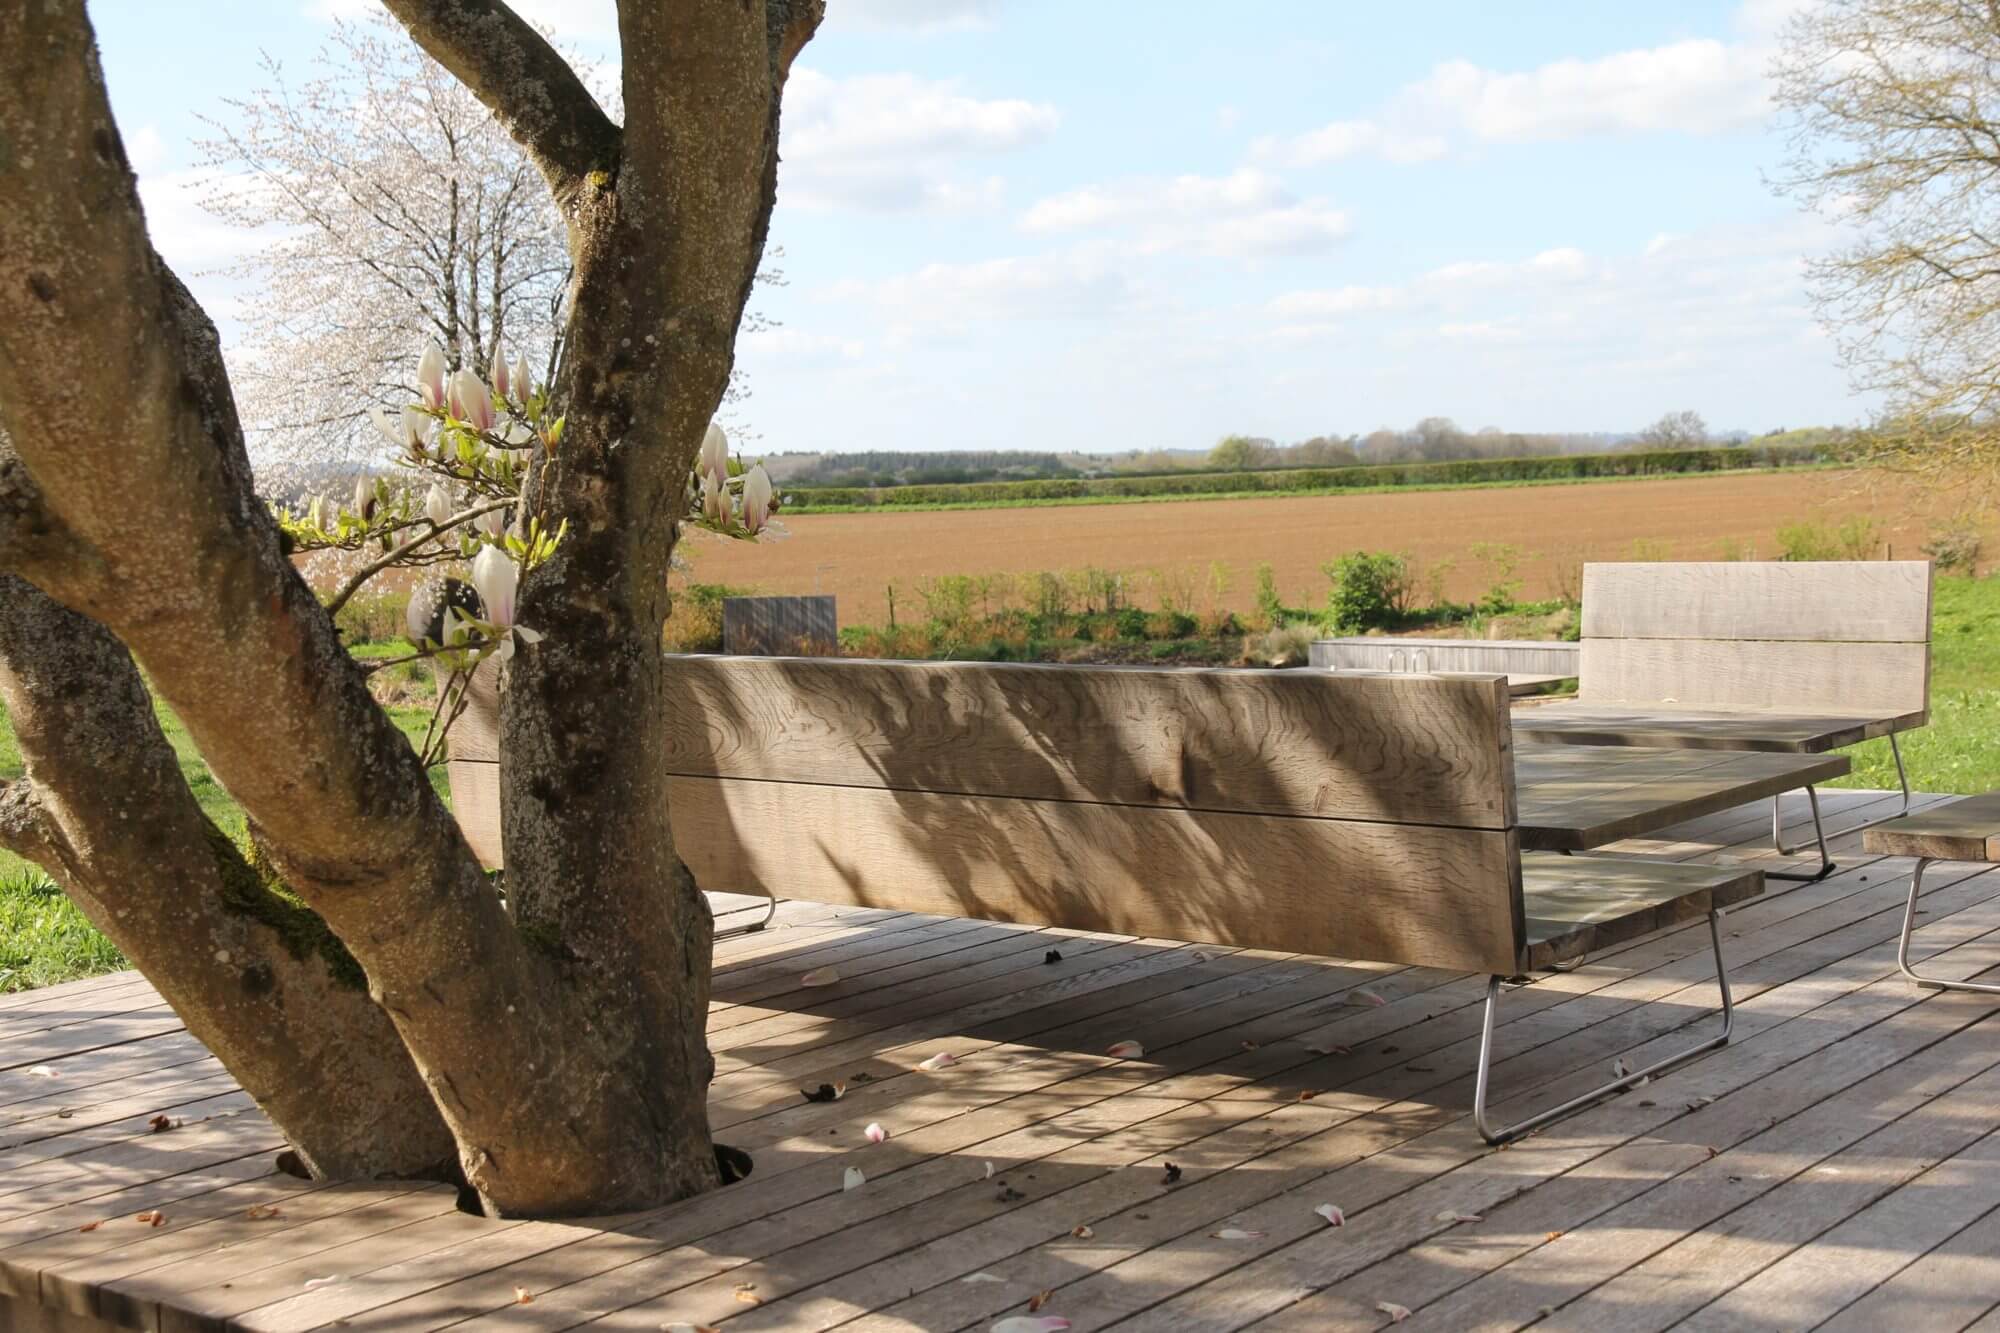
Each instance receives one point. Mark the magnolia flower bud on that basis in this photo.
(715, 453)
(316, 512)
(470, 401)
(417, 617)
(390, 425)
(714, 500)
(430, 375)
(364, 498)
(497, 372)
(524, 385)
(493, 522)
(496, 576)
(437, 505)
(756, 498)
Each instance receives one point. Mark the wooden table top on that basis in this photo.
(1573, 722)
(1574, 797)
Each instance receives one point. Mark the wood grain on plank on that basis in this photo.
(1883, 679)
(1401, 749)
(1577, 797)
(1855, 601)
(1669, 726)
(1965, 830)
(1441, 897)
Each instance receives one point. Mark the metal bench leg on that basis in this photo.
(1826, 866)
(1778, 829)
(1903, 944)
(754, 926)
(1515, 1131)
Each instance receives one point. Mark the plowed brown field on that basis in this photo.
(857, 556)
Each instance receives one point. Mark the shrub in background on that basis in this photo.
(1854, 538)
(1269, 609)
(1954, 547)
(1370, 589)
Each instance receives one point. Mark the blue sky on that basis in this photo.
(1084, 224)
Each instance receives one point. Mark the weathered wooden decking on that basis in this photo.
(1838, 1166)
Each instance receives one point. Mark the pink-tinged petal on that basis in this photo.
(42, 1071)
(942, 1060)
(1362, 995)
(1236, 1233)
(1334, 1217)
(430, 375)
(1453, 1215)
(875, 1133)
(315, 1283)
(989, 1170)
(1082, 1232)
(1397, 1313)
(1619, 1069)
(975, 1278)
(1039, 1323)
(820, 976)
(852, 1179)
(1125, 1050)
(497, 372)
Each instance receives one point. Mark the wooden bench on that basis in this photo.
(1800, 658)
(1369, 818)
(1965, 830)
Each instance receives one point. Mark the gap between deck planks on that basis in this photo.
(1279, 983)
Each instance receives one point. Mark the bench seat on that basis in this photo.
(1963, 830)
(1576, 905)
(1663, 726)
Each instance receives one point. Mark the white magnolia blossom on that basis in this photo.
(430, 375)
(495, 576)
(757, 496)
(714, 454)
(470, 401)
(437, 504)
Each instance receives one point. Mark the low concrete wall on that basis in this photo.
(1509, 657)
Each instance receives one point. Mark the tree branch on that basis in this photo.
(25, 827)
(376, 566)
(523, 80)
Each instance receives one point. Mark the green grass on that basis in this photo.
(1959, 752)
(43, 937)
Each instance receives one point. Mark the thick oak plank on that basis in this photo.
(1965, 830)
(1884, 679)
(1576, 797)
(1854, 601)
(1667, 726)
(1445, 897)
(1401, 749)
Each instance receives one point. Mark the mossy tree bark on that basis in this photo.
(561, 1037)
(256, 976)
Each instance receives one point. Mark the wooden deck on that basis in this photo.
(1838, 1166)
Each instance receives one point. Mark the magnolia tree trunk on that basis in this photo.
(256, 975)
(558, 1035)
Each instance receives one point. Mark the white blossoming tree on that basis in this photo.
(359, 974)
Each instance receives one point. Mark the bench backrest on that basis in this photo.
(1845, 636)
(1368, 817)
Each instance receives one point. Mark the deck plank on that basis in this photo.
(1853, 1174)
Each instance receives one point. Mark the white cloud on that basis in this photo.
(785, 348)
(1247, 213)
(1335, 301)
(1017, 287)
(1700, 86)
(892, 142)
(1349, 138)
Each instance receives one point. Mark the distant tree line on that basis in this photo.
(1431, 440)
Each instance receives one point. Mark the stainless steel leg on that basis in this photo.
(1515, 1131)
(1826, 866)
(1778, 823)
(1903, 944)
(754, 926)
